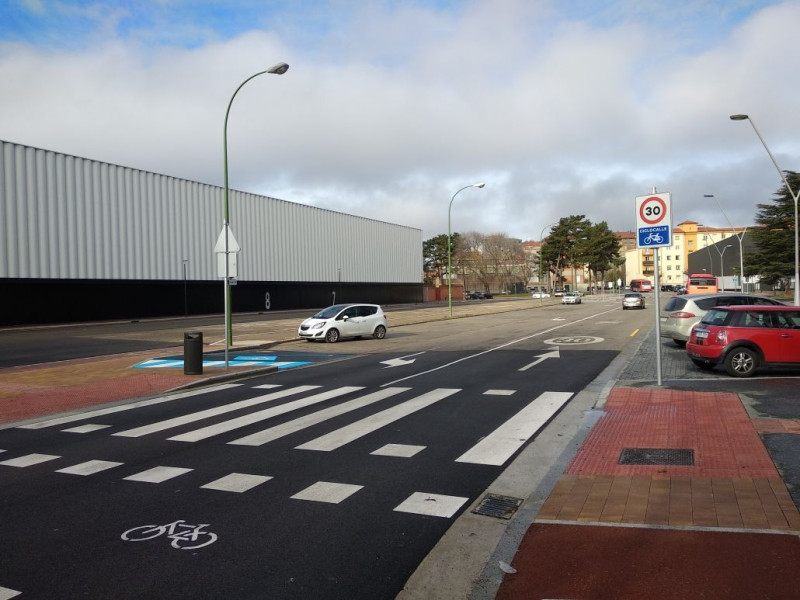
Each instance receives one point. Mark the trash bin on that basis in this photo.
(192, 352)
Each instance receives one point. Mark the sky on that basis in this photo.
(390, 107)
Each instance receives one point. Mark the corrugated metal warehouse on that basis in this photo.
(86, 240)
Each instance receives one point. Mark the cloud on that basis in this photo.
(389, 108)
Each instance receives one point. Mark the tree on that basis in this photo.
(773, 259)
(566, 245)
(434, 256)
(601, 250)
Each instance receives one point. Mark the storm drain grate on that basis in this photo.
(502, 507)
(656, 456)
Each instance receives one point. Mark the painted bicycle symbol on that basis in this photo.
(183, 535)
(654, 238)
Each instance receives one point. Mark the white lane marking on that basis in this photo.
(212, 412)
(398, 450)
(262, 415)
(266, 386)
(496, 448)
(326, 491)
(89, 467)
(278, 431)
(434, 505)
(88, 428)
(7, 593)
(499, 392)
(158, 474)
(500, 347)
(236, 482)
(116, 409)
(349, 433)
(28, 460)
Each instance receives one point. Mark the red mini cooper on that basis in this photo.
(745, 338)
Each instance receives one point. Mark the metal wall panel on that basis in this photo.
(66, 217)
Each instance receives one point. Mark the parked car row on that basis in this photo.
(478, 296)
(681, 313)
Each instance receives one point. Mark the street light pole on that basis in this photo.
(185, 290)
(739, 236)
(795, 197)
(449, 275)
(541, 275)
(276, 69)
(722, 264)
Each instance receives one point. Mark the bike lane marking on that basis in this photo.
(236, 482)
(89, 467)
(327, 491)
(28, 460)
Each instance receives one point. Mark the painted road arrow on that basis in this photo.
(400, 361)
(542, 358)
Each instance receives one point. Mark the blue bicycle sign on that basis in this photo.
(654, 236)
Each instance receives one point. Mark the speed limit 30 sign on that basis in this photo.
(654, 220)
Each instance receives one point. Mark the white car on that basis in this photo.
(345, 321)
(540, 295)
(571, 298)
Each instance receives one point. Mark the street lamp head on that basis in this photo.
(739, 117)
(478, 185)
(278, 69)
(708, 195)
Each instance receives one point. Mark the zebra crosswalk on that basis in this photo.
(494, 448)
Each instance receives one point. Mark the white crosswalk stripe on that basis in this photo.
(89, 467)
(115, 409)
(158, 474)
(236, 482)
(263, 415)
(496, 448)
(28, 460)
(213, 412)
(279, 431)
(345, 435)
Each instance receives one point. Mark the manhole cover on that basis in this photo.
(502, 507)
(656, 456)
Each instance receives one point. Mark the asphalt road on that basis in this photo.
(333, 491)
(51, 343)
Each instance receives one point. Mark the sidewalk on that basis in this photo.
(671, 494)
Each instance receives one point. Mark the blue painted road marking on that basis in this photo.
(284, 360)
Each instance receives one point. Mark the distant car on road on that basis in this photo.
(540, 295)
(345, 321)
(571, 298)
(681, 313)
(479, 296)
(632, 300)
(745, 338)
(558, 293)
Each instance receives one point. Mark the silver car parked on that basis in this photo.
(680, 313)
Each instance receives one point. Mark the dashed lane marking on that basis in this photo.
(434, 505)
